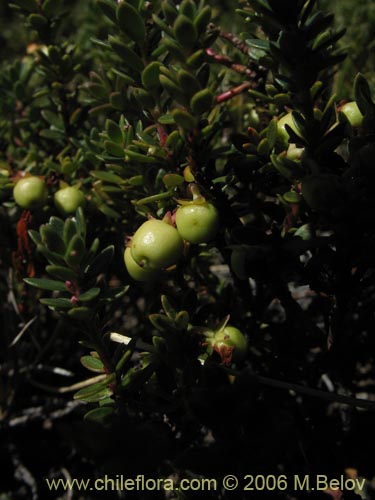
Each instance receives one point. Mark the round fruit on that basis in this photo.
(30, 192)
(137, 272)
(197, 223)
(156, 245)
(352, 113)
(282, 132)
(68, 199)
(231, 344)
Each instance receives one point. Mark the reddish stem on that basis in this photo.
(225, 96)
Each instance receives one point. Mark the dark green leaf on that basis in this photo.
(93, 364)
(57, 225)
(81, 313)
(150, 76)
(70, 230)
(107, 177)
(202, 19)
(113, 131)
(99, 415)
(89, 295)
(101, 262)
(108, 8)
(114, 149)
(57, 303)
(161, 322)
(38, 22)
(81, 222)
(173, 180)
(182, 320)
(45, 284)
(61, 272)
(131, 22)
(185, 31)
(93, 396)
(129, 57)
(202, 101)
(52, 239)
(184, 119)
(75, 251)
(169, 310)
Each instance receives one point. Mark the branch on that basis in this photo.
(227, 61)
(317, 393)
(225, 96)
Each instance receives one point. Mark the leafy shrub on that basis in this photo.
(220, 347)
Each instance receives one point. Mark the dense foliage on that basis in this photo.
(188, 241)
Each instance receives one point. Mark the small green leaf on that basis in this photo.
(263, 147)
(95, 388)
(52, 239)
(107, 177)
(169, 10)
(93, 364)
(57, 303)
(75, 251)
(81, 313)
(173, 89)
(131, 22)
(54, 135)
(114, 294)
(173, 180)
(35, 236)
(129, 57)
(95, 396)
(144, 98)
(70, 230)
(182, 320)
(161, 322)
(292, 197)
(89, 295)
(45, 284)
(196, 59)
(114, 149)
(257, 43)
(184, 119)
(101, 261)
(202, 19)
(61, 272)
(53, 119)
(272, 132)
(185, 31)
(108, 211)
(99, 415)
(52, 257)
(150, 76)
(131, 155)
(108, 9)
(38, 22)
(168, 308)
(188, 8)
(287, 168)
(202, 101)
(188, 82)
(81, 222)
(113, 131)
(57, 225)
